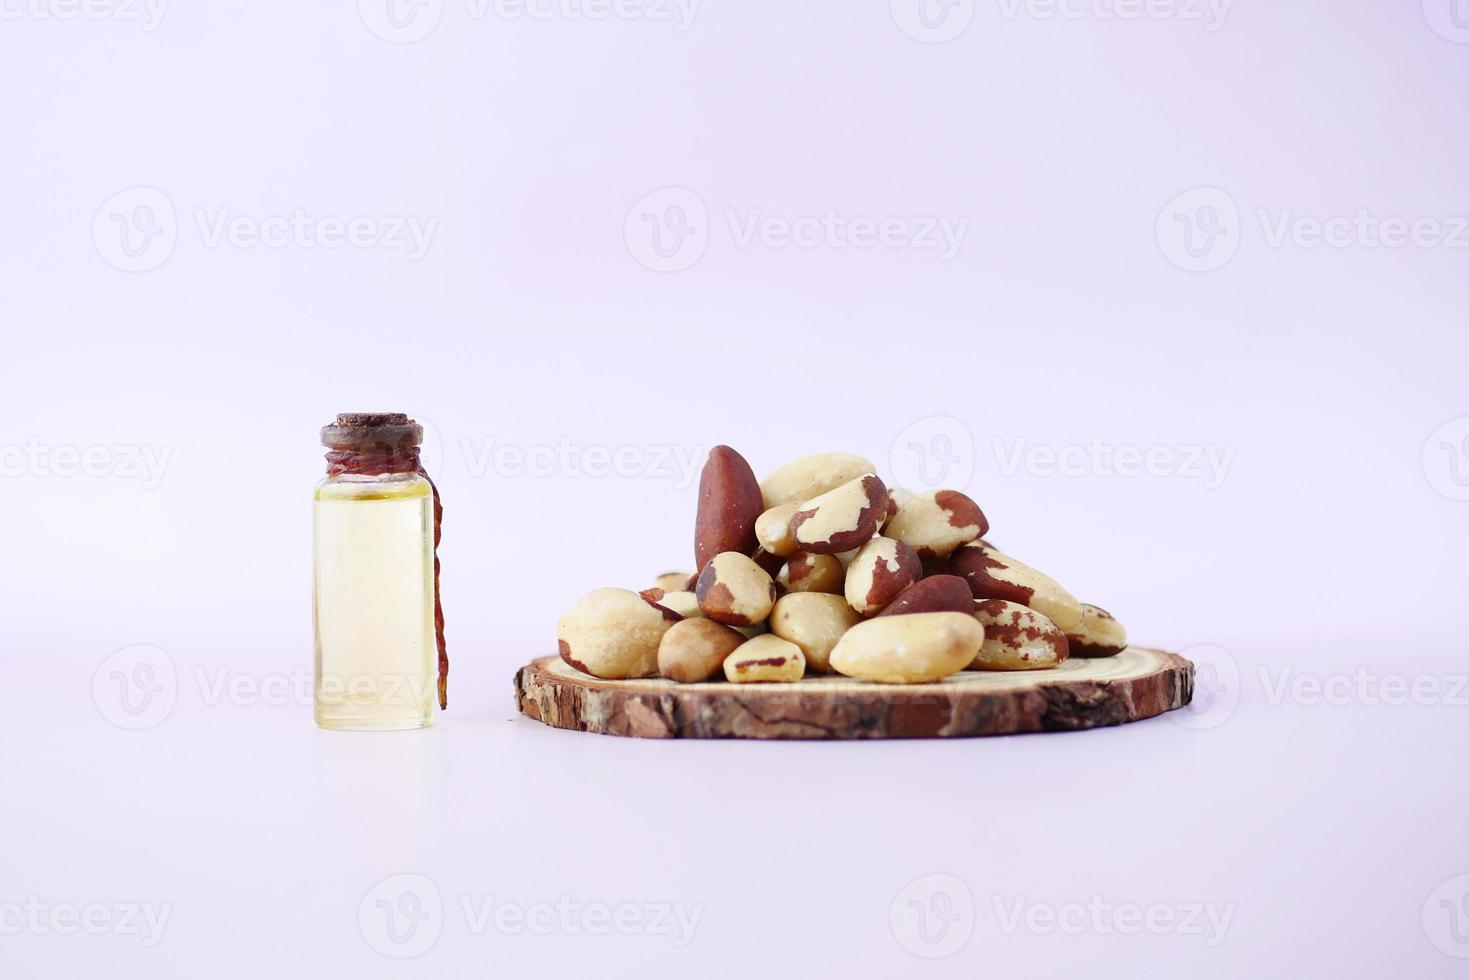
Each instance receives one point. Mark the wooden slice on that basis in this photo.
(1081, 693)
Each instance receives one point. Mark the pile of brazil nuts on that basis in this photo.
(822, 569)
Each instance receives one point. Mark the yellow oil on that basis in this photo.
(376, 655)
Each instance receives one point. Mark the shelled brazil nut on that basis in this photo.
(822, 567)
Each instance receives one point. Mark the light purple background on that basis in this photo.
(1330, 826)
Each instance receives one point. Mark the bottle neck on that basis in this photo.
(373, 461)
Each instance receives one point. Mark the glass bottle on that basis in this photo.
(378, 624)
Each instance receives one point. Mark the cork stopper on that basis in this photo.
(360, 431)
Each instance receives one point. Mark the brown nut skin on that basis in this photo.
(841, 519)
(694, 650)
(882, 569)
(771, 563)
(729, 503)
(613, 634)
(773, 530)
(935, 523)
(765, 658)
(994, 575)
(1099, 635)
(938, 593)
(1017, 637)
(811, 573)
(814, 621)
(733, 590)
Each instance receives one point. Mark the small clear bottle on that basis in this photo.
(379, 638)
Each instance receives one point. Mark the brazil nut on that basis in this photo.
(933, 524)
(1017, 637)
(694, 650)
(729, 503)
(841, 519)
(908, 649)
(765, 658)
(733, 590)
(811, 476)
(882, 569)
(804, 572)
(1099, 635)
(613, 634)
(937, 593)
(813, 621)
(993, 575)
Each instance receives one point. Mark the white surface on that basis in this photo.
(1333, 540)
